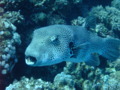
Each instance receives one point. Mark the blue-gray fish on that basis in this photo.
(57, 43)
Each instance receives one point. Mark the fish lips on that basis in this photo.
(30, 60)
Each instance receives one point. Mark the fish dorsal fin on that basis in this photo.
(93, 60)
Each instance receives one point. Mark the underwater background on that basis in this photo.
(19, 18)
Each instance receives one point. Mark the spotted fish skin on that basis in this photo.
(57, 43)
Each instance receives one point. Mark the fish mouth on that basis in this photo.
(30, 60)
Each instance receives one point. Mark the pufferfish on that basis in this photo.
(57, 43)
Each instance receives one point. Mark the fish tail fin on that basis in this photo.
(111, 48)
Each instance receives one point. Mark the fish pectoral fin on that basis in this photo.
(93, 60)
(81, 46)
(81, 49)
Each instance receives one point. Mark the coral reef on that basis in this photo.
(30, 84)
(116, 4)
(79, 21)
(23, 16)
(63, 81)
(109, 17)
(75, 77)
(87, 77)
(9, 38)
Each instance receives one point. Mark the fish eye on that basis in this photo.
(54, 40)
